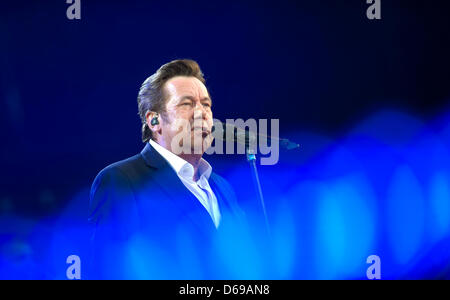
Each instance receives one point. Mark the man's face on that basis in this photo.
(188, 118)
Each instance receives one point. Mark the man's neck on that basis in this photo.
(193, 159)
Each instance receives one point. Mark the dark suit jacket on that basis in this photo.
(147, 224)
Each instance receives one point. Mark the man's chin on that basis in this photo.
(199, 148)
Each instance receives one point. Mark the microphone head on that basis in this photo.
(228, 132)
(288, 145)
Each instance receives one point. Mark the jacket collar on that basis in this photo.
(173, 186)
(181, 166)
(168, 180)
(152, 158)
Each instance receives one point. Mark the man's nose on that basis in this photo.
(200, 112)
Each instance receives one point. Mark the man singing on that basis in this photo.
(158, 213)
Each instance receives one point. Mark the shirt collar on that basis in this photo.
(181, 166)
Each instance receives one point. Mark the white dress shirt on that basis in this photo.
(200, 188)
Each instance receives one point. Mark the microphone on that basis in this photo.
(246, 137)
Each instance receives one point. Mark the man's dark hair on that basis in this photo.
(151, 96)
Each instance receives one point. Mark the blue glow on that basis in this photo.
(440, 205)
(345, 227)
(238, 255)
(405, 215)
(285, 242)
(383, 189)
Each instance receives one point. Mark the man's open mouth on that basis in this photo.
(202, 129)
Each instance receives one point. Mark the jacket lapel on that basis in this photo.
(183, 200)
(229, 209)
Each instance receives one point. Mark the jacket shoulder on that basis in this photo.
(122, 167)
(113, 185)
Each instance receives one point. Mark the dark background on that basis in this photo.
(68, 87)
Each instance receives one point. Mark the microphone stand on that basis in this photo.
(251, 158)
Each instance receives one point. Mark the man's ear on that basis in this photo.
(153, 122)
